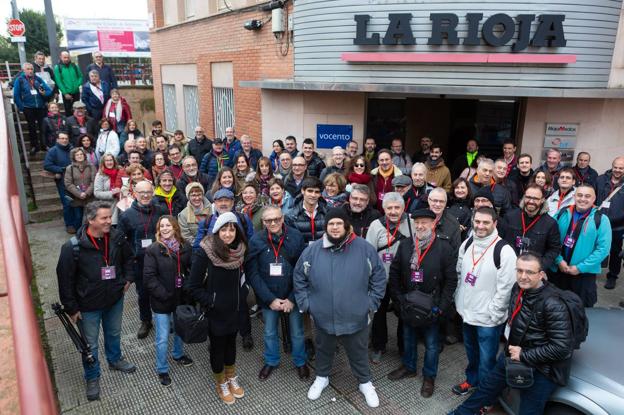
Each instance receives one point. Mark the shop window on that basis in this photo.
(191, 109)
(170, 104)
(223, 104)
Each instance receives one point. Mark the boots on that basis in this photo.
(232, 380)
(223, 389)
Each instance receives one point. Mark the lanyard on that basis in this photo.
(422, 257)
(576, 222)
(98, 247)
(169, 205)
(525, 228)
(561, 197)
(312, 227)
(474, 263)
(392, 237)
(580, 177)
(279, 245)
(517, 306)
(149, 220)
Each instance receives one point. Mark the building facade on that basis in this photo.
(541, 74)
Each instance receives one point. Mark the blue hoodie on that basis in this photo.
(23, 92)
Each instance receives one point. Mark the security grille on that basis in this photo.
(171, 116)
(223, 99)
(191, 109)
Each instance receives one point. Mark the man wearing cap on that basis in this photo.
(401, 184)
(80, 123)
(340, 303)
(426, 264)
(384, 235)
(416, 197)
(215, 160)
(361, 213)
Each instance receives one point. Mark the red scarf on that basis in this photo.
(112, 175)
(363, 178)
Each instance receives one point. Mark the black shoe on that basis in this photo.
(185, 361)
(165, 380)
(248, 343)
(303, 372)
(451, 339)
(610, 284)
(93, 389)
(265, 372)
(310, 350)
(144, 330)
(401, 373)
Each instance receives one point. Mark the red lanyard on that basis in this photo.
(525, 228)
(389, 237)
(576, 222)
(561, 197)
(517, 306)
(474, 263)
(578, 174)
(98, 247)
(169, 205)
(312, 227)
(279, 245)
(146, 224)
(422, 257)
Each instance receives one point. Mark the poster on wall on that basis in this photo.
(567, 129)
(563, 137)
(553, 141)
(332, 135)
(120, 38)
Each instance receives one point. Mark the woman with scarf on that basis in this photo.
(334, 190)
(167, 264)
(167, 195)
(52, 124)
(105, 184)
(225, 180)
(278, 148)
(130, 132)
(459, 200)
(220, 259)
(262, 175)
(241, 169)
(79, 177)
(358, 171)
(86, 143)
(107, 141)
(159, 164)
(251, 204)
(197, 209)
(117, 111)
(279, 196)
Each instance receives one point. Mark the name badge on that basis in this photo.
(310, 243)
(83, 130)
(387, 257)
(470, 279)
(178, 281)
(507, 331)
(569, 242)
(275, 269)
(145, 243)
(417, 276)
(112, 114)
(522, 242)
(108, 273)
(33, 92)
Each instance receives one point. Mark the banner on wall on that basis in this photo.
(118, 38)
(563, 137)
(332, 135)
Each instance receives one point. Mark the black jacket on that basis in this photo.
(139, 222)
(502, 197)
(178, 203)
(184, 180)
(81, 287)
(449, 226)
(615, 212)
(52, 126)
(297, 218)
(160, 269)
(589, 176)
(73, 128)
(291, 186)
(544, 234)
(521, 181)
(315, 165)
(543, 330)
(513, 190)
(461, 211)
(416, 198)
(199, 150)
(361, 221)
(439, 278)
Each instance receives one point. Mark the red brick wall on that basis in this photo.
(254, 54)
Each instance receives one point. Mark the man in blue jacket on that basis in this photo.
(215, 160)
(56, 159)
(106, 72)
(269, 268)
(95, 94)
(341, 303)
(30, 95)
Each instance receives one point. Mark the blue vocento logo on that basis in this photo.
(332, 135)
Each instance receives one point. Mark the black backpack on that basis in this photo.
(497, 249)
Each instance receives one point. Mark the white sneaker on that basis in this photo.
(317, 387)
(368, 390)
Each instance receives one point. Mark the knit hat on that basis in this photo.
(423, 213)
(223, 193)
(402, 180)
(339, 213)
(485, 192)
(227, 217)
(191, 186)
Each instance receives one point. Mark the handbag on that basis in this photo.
(191, 324)
(416, 309)
(518, 375)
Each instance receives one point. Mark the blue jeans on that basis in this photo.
(271, 339)
(72, 216)
(162, 323)
(110, 319)
(481, 345)
(532, 400)
(432, 348)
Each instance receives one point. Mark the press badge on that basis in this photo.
(33, 92)
(568, 242)
(145, 243)
(387, 257)
(470, 279)
(417, 276)
(112, 115)
(108, 273)
(178, 281)
(275, 269)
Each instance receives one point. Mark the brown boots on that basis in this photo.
(228, 388)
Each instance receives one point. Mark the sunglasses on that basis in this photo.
(359, 165)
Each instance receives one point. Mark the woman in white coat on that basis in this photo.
(107, 141)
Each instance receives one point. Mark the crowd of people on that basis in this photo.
(330, 246)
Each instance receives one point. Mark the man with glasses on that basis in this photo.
(200, 145)
(312, 158)
(360, 212)
(564, 197)
(338, 166)
(192, 174)
(175, 161)
(485, 178)
(444, 223)
(531, 229)
(272, 258)
(292, 182)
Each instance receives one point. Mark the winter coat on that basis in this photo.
(439, 278)
(615, 211)
(502, 198)
(205, 226)
(79, 178)
(107, 142)
(417, 198)
(521, 181)
(377, 236)
(138, 222)
(461, 211)
(590, 176)
(340, 303)
(449, 226)
(383, 186)
(542, 328)
(544, 234)
(75, 130)
(81, 287)
(402, 161)
(68, 78)
(125, 114)
(212, 163)
(26, 96)
(232, 148)
(106, 74)
(299, 219)
(439, 176)
(92, 102)
(160, 269)
(286, 204)
(178, 203)
(188, 220)
(484, 303)
(261, 255)
(291, 185)
(274, 159)
(592, 245)
(362, 220)
(331, 169)
(315, 165)
(102, 191)
(52, 124)
(125, 135)
(512, 188)
(254, 156)
(556, 204)
(202, 178)
(57, 159)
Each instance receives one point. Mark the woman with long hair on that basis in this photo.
(544, 180)
(130, 132)
(278, 196)
(86, 142)
(241, 169)
(251, 204)
(106, 184)
(220, 262)
(459, 200)
(167, 264)
(224, 180)
(262, 175)
(278, 148)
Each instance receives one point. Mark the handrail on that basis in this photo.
(33, 378)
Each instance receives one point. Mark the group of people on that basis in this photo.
(331, 246)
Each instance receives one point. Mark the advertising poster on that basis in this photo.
(121, 38)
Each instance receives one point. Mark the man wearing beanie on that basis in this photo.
(341, 303)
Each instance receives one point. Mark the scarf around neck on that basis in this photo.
(235, 260)
(112, 175)
(167, 195)
(421, 244)
(363, 178)
(172, 244)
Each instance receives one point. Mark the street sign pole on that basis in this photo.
(20, 45)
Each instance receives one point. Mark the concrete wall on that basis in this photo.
(134, 96)
(601, 130)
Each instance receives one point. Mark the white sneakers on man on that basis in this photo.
(368, 390)
(317, 387)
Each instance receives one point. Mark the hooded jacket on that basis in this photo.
(439, 175)
(556, 204)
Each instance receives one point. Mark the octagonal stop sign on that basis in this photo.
(16, 27)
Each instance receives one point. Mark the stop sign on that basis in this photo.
(16, 27)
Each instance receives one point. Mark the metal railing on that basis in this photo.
(36, 395)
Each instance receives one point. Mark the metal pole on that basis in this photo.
(20, 45)
(51, 26)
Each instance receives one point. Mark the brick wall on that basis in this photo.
(222, 38)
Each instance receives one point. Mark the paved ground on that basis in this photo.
(193, 388)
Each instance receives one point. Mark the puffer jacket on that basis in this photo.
(542, 328)
(199, 149)
(361, 221)
(57, 159)
(298, 218)
(261, 255)
(160, 269)
(212, 163)
(417, 198)
(175, 206)
(449, 226)
(79, 178)
(556, 204)
(22, 95)
(315, 165)
(52, 124)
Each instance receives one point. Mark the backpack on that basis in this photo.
(75, 248)
(576, 311)
(497, 250)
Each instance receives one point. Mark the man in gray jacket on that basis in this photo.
(341, 303)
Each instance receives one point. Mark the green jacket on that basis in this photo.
(68, 78)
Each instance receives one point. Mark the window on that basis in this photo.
(223, 99)
(189, 8)
(169, 99)
(191, 109)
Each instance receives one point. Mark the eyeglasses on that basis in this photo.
(144, 193)
(437, 201)
(533, 199)
(298, 165)
(359, 165)
(272, 220)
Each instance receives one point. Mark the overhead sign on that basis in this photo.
(16, 27)
(123, 38)
(332, 135)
